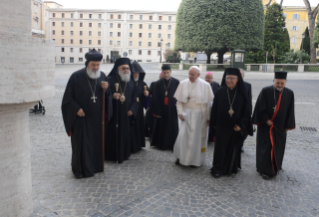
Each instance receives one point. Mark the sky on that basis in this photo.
(155, 5)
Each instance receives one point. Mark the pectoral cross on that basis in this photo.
(94, 98)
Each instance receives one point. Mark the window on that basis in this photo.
(149, 44)
(119, 34)
(71, 24)
(284, 15)
(119, 17)
(131, 26)
(159, 35)
(71, 41)
(130, 43)
(111, 25)
(71, 59)
(62, 32)
(130, 52)
(158, 53)
(99, 50)
(53, 14)
(90, 49)
(90, 33)
(62, 24)
(71, 33)
(159, 26)
(111, 42)
(62, 15)
(317, 53)
(71, 15)
(81, 42)
(168, 44)
(141, 17)
(149, 35)
(118, 43)
(90, 24)
(53, 32)
(112, 16)
(90, 16)
(81, 33)
(159, 44)
(169, 36)
(81, 50)
(149, 52)
(99, 42)
(81, 59)
(131, 17)
(99, 25)
(139, 52)
(140, 35)
(81, 24)
(62, 59)
(90, 41)
(53, 23)
(150, 26)
(100, 16)
(99, 33)
(71, 50)
(151, 17)
(111, 34)
(141, 26)
(140, 43)
(81, 15)
(169, 27)
(295, 16)
(160, 18)
(169, 18)
(36, 24)
(62, 49)
(62, 41)
(294, 28)
(119, 25)
(35, 8)
(293, 40)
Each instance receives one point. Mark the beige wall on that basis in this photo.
(37, 18)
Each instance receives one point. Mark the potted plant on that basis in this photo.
(107, 59)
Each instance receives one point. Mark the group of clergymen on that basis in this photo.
(180, 116)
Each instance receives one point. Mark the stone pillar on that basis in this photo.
(248, 68)
(260, 67)
(27, 75)
(203, 68)
(271, 68)
(301, 68)
(181, 66)
(160, 65)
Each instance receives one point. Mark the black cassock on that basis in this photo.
(271, 141)
(138, 122)
(215, 86)
(149, 118)
(120, 151)
(165, 129)
(85, 132)
(227, 155)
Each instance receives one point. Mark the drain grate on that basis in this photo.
(310, 129)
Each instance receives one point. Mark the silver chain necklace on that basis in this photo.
(189, 92)
(231, 111)
(94, 98)
(275, 98)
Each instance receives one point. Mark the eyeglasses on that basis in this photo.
(125, 68)
(231, 78)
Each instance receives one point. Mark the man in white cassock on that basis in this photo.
(194, 97)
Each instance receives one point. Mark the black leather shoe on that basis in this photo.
(216, 175)
(177, 162)
(264, 176)
(78, 176)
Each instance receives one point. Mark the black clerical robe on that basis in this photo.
(149, 118)
(117, 148)
(165, 129)
(85, 132)
(271, 141)
(215, 86)
(227, 157)
(138, 122)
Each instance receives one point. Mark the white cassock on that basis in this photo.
(194, 103)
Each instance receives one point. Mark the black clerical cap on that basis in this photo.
(280, 75)
(166, 67)
(120, 62)
(137, 68)
(232, 71)
(93, 55)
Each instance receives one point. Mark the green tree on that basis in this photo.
(219, 26)
(294, 57)
(306, 42)
(316, 35)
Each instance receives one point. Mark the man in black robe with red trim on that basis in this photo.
(82, 115)
(274, 114)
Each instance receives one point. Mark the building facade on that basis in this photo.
(37, 18)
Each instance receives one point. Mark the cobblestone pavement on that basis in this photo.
(150, 184)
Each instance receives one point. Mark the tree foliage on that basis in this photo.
(172, 56)
(219, 26)
(306, 42)
(294, 57)
(316, 35)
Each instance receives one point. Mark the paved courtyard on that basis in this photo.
(150, 184)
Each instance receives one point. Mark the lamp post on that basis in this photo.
(161, 50)
(303, 36)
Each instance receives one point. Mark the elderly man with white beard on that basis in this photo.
(124, 107)
(82, 115)
(194, 97)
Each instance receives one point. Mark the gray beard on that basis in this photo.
(125, 77)
(92, 74)
(136, 79)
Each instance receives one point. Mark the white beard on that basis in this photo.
(125, 77)
(136, 79)
(92, 74)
